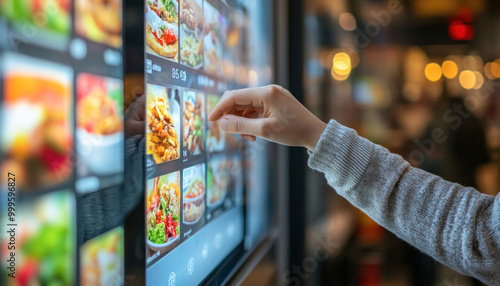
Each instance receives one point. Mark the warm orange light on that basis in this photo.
(253, 78)
(495, 68)
(338, 77)
(342, 64)
(467, 79)
(342, 61)
(479, 80)
(450, 69)
(433, 72)
(487, 71)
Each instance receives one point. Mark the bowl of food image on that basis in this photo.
(100, 131)
(162, 212)
(191, 49)
(194, 201)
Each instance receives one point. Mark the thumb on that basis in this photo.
(242, 125)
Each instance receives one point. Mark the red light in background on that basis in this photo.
(459, 31)
(460, 28)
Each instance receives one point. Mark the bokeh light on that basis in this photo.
(479, 80)
(433, 72)
(467, 79)
(487, 71)
(495, 68)
(450, 69)
(347, 21)
(342, 64)
(338, 77)
(253, 78)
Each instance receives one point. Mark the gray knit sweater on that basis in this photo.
(456, 225)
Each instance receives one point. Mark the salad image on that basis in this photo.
(50, 19)
(191, 51)
(45, 245)
(162, 211)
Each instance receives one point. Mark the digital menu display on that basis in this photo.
(194, 188)
(61, 140)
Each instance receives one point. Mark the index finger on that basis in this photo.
(242, 97)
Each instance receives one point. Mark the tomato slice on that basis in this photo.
(169, 36)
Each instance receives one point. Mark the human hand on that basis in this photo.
(134, 117)
(270, 112)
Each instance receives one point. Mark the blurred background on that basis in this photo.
(399, 72)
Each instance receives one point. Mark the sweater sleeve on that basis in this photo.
(456, 225)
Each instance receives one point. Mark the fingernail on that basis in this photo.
(224, 123)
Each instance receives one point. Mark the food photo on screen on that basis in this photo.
(162, 28)
(37, 121)
(214, 26)
(52, 30)
(163, 118)
(99, 21)
(45, 241)
(102, 259)
(191, 30)
(194, 194)
(100, 136)
(194, 118)
(217, 181)
(163, 212)
(216, 138)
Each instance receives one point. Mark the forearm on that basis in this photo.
(454, 224)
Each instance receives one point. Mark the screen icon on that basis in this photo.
(149, 66)
(191, 266)
(171, 279)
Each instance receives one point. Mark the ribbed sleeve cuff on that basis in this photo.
(342, 155)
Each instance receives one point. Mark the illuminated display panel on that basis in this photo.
(61, 137)
(194, 189)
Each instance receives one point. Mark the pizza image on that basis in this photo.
(162, 28)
